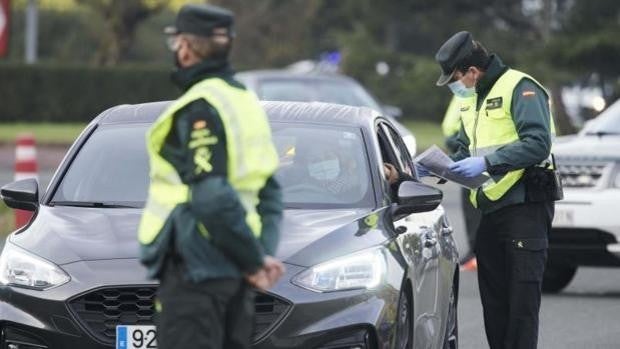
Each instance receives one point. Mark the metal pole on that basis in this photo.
(32, 28)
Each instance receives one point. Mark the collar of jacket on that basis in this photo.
(494, 70)
(185, 78)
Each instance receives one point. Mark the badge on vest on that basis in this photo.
(465, 108)
(494, 103)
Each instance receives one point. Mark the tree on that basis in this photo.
(121, 19)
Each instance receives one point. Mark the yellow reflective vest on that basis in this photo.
(492, 127)
(252, 158)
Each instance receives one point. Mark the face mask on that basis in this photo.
(460, 90)
(324, 170)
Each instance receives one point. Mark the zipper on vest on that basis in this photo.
(476, 128)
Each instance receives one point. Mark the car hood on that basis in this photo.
(590, 147)
(70, 234)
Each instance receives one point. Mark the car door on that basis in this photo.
(420, 242)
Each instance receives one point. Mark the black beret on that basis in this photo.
(451, 53)
(201, 19)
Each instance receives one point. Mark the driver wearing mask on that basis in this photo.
(328, 170)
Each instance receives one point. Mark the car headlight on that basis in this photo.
(23, 269)
(364, 269)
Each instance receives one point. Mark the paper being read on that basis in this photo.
(437, 162)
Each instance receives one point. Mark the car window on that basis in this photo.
(400, 150)
(311, 90)
(607, 122)
(321, 166)
(112, 166)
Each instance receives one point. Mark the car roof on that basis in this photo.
(313, 112)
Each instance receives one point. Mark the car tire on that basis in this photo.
(404, 333)
(557, 277)
(451, 338)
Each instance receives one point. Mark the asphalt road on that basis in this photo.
(585, 315)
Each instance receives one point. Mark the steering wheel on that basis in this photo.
(315, 189)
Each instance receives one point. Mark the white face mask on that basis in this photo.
(324, 170)
(460, 90)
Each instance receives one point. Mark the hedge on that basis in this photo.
(53, 93)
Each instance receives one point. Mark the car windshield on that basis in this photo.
(327, 91)
(608, 122)
(320, 167)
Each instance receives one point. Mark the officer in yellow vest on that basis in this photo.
(211, 219)
(506, 131)
(450, 127)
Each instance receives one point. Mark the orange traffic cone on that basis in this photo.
(470, 265)
(25, 167)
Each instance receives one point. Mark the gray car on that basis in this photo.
(369, 264)
(290, 86)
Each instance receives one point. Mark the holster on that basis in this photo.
(543, 184)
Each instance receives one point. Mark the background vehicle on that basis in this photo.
(586, 228)
(286, 85)
(366, 268)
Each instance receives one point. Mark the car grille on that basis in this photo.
(101, 310)
(583, 175)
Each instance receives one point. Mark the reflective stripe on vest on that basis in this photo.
(252, 158)
(492, 127)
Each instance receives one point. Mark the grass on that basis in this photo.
(426, 133)
(45, 133)
(7, 220)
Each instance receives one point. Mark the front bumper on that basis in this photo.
(586, 228)
(349, 319)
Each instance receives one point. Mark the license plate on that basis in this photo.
(135, 337)
(563, 218)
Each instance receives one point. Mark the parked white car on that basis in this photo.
(586, 228)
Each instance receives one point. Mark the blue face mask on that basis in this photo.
(460, 90)
(324, 170)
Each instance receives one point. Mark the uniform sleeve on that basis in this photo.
(213, 200)
(270, 210)
(461, 143)
(530, 112)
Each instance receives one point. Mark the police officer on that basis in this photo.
(506, 130)
(211, 220)
(450, 127)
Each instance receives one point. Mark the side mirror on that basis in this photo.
(392, 111)
(414, 197)
(23, 195)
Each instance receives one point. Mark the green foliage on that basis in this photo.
(44, 132)
(77, 93)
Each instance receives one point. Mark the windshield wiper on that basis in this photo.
(90, 204)
(602, 133)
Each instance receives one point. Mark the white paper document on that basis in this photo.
(438, 163)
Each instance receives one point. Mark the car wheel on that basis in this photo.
(451, 339)
(404, 333)
(557, 277)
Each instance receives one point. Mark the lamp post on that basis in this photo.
(32, 29)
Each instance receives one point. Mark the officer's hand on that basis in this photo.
(470, 167)
(274, 269)
(259, 279)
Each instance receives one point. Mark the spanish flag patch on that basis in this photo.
(200, 124)
(528, 93)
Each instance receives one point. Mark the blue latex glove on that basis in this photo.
(422, 171)
(470, 167)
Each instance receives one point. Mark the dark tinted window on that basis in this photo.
(320, 167)
(111, 167)
(310, 90)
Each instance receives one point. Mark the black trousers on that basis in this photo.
(214, 314)
(472, 221)
(511, 248)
